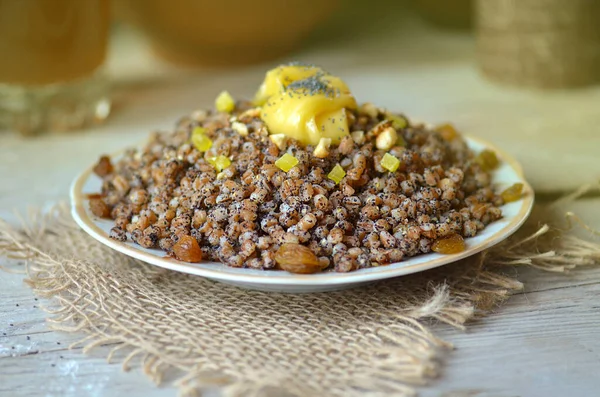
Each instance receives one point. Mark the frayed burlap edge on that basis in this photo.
(378, 342)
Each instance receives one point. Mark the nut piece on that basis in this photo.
(296, 258)
(250, 114)
(187, 249)
(280, 140)
(240, 128)
(386, 139)
(369, 109)
(358, 137)
(322, 149)
(199, 115)
(380, 127)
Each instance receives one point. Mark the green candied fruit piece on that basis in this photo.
(390, 162)
(220, 162)
(224, 102)
(200, 140)
(286, 162)
(337, 174)
(398, 122)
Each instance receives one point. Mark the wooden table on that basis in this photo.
(543, 342)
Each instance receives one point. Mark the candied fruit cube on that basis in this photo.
(398, 122)
(389, 162)
(452, 244)
(224, 102)
(198, 130)
(447, 131)
(512, 193)
(286, 162)
(487, 159)
(400, 141)
(220, 162)
(337, 174)
(201, 141)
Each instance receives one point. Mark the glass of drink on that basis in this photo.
(51, 76)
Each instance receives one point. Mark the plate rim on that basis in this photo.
(80, 215)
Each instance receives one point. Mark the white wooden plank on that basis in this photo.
(70, 374)
(539, 344)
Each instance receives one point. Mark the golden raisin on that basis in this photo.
(99, 208)
(447, 131)
(452, 244)
(104, 167)
(187, 249)
(479, 210)
(487, 159)
(512, 193)
(296, 258)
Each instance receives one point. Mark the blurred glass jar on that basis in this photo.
(224, 32)
(52, 54)
(455, 14)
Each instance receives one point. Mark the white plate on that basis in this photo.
(515, 214)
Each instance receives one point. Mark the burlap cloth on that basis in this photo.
(369, 341)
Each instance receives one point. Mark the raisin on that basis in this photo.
(447, 132)
(487, 160)
(512, 193)
(187, 249)
(296, 258)
(452, 244)
(99, 208)
(104, 167)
